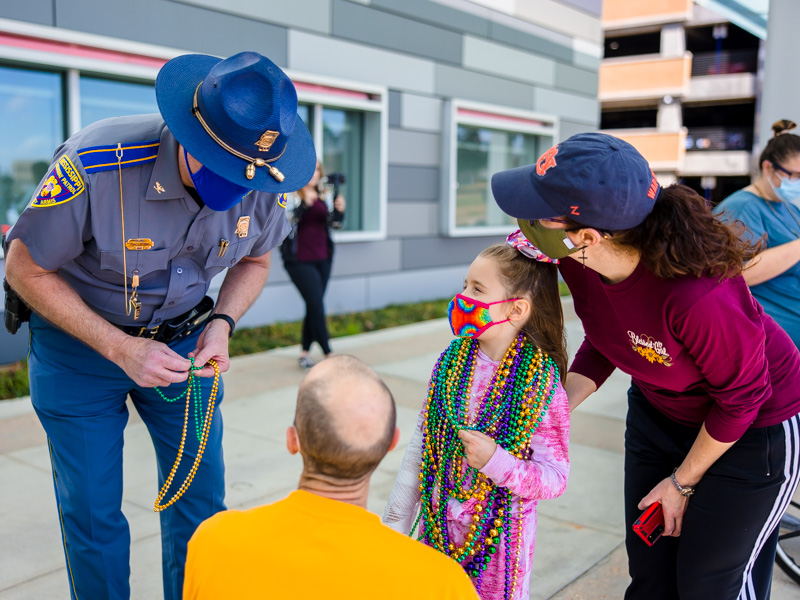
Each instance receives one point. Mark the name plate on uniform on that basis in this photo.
(139, 244)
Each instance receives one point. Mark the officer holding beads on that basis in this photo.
(114, 255)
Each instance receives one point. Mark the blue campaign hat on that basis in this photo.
(238, 117)
(593, 178)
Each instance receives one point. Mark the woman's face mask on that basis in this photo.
(216, 192)
(554, 243)
(788, 190)
(470, 317)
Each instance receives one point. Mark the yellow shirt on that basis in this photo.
(307, 546)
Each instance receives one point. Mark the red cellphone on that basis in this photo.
(650, 524)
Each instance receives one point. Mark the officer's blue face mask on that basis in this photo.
(216, 192)
(788, 190)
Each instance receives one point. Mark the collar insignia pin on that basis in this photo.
(159, 188)
(242, 226)
(266, 140)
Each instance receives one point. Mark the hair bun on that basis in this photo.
(782, 126)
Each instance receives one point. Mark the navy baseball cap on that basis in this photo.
(238, 117)
(593, 178)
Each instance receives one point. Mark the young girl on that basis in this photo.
(492, 438)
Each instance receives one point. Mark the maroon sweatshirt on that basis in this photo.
(701, 351)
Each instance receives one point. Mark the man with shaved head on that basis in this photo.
(320, 541)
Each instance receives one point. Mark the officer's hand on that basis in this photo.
(151, 364)
(212, 343)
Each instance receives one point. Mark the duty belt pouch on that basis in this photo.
(189, 322)
(16, 311)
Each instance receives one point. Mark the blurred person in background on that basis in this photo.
(308, 256)
(770, 209)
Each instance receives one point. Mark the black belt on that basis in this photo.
(175, 328)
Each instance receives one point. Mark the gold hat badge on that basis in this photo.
(266, 140)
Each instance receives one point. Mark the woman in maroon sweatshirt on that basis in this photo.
(713, 431)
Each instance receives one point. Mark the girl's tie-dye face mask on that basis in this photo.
(469, 317)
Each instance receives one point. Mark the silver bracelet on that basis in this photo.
(683, 490)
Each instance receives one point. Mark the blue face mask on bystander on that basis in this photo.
(788, 190)
(216, 192)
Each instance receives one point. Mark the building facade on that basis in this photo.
(416, 102)
(680, 80)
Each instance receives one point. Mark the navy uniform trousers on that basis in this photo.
(726, 549)
(80, 398)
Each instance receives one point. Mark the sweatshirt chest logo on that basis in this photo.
(651, 350)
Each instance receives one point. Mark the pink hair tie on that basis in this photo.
(520, 242)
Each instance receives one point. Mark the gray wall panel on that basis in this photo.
(395, 108)
(576, 80)
(303, 14)
(568, 128)
(440, 252)
(379, 28)
(425, 10)
(414, 148)
(421, 112)
(312, 53)
(30, 11)
(413, 219)
(509, 35)
(163, 22)
(586, 61)
(413, 183)
(416, 286)
(359, 258)
(502, 60)
(460, 83)
(593, 7)
(569, 106)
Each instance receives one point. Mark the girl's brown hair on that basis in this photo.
(524, 277)
(681, 236)
(781, 147)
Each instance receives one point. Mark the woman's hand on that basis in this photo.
(478, 447)
(672, 503)
(339, 203)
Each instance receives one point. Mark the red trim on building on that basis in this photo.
(466, 112)
(57, 47)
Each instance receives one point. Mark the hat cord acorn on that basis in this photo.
(250, 170)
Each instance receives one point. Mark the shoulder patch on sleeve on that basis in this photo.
(282, 200)
(63, 183)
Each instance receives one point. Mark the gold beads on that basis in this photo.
(206, 429)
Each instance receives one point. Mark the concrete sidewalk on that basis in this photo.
(579, 553)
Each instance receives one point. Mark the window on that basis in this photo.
(483, 142)
(349, 127)
(102, 98)
(31, 128)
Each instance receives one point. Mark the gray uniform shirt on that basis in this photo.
(74, 222)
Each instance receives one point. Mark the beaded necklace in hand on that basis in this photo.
(513, 406)
(202, 428)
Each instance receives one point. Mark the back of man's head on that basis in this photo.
(345, 419)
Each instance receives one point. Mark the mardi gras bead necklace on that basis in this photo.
(510, 410)
(202, 427)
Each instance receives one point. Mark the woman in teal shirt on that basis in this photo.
(770, 208)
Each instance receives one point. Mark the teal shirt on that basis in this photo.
(780, 221)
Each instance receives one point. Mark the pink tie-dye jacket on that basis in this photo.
(543, 476)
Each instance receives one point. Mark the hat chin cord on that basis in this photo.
(250, 170)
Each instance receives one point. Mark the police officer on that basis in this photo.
(114, 255)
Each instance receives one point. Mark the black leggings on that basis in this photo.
(311, 279)
(727, 544)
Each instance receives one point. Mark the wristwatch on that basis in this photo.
(228, 319)
(683, 490)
